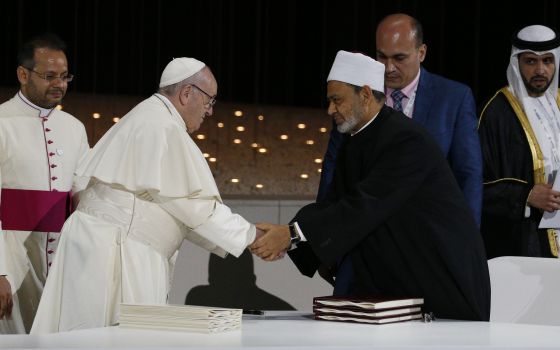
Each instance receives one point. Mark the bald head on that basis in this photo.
(401, 24)
(399, 41)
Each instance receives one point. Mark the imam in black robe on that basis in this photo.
(513, 164)
(397, 212)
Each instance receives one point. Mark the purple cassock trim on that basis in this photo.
(31, 210)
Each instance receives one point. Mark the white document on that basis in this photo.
(552, 220)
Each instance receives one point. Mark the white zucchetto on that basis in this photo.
(358, 69)
(180, 69)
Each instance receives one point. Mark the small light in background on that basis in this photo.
(237, 141)
(262, 150)
(310, 142)
(240, 128)
(318, 160)
(59, 107)
(319, 170)
(212, 159)
(96, 115)
(283, 137)
(234, 180)
(301, 126)
(304, 176)
(254, 145)
(323, 129)
(259, 186)
(206, 155)
(116, 119)
(260, 117)
(201, 136)
(220, 125)
(238, 113)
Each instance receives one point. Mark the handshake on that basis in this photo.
(271, 242)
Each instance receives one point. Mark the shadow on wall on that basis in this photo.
(232, 283)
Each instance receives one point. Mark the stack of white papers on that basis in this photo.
(180, 318)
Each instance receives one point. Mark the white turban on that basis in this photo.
(180, 69)
(358, 70)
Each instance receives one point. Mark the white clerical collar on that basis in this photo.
(365, 126)
(43, 112)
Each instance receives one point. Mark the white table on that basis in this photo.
(291, 330)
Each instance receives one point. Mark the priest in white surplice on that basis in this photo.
(40, 148)
(150, 188)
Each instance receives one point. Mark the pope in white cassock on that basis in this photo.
(40, 148)
(150, 188)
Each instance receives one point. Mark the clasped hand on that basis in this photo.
(542, 196)
(272, 241)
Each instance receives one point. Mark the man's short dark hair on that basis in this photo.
(378, 95)
(44, 41)
(418, 31)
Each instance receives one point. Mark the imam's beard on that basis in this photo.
(348, 125)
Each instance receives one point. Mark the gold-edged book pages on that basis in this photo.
(383, 320)
(187, 318)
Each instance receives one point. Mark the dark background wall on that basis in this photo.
(266, 52)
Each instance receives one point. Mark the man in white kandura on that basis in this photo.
(150, 188)
(40, 148)
(520, 138)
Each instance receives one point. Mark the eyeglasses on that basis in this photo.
(50, 77)
(212, 100)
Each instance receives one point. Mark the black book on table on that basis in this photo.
(367, 303)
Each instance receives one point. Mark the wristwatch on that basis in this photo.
(294, 236)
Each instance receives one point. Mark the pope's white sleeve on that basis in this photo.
(212, 220)
(3, 248)
(79, 183)
(3, 252)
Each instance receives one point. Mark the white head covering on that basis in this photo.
(359, 70)
(180, 69)
(543, 112)
(531, 39)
